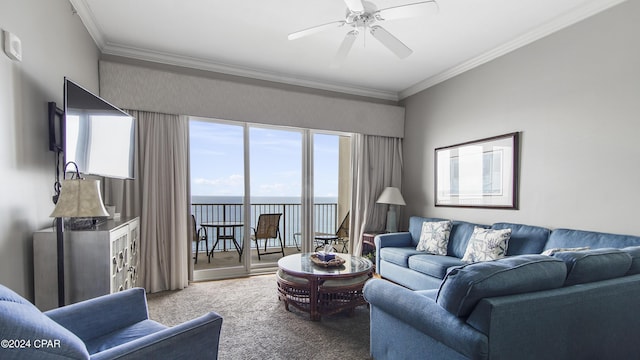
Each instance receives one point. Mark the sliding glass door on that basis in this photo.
(259, 193)
(217, 196)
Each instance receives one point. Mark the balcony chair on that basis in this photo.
(199, 235)
(343, 234)
(114, 326)
(268, 228)
(340, 237)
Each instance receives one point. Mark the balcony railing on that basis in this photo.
(325, 218)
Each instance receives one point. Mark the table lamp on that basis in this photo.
(393, 197)
(78, 198)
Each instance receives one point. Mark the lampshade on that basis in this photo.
(79, 198)
(391, 195)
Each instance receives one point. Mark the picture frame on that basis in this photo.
(478, 174)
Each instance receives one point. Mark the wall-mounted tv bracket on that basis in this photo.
(55, 142)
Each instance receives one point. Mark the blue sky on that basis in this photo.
(276, 161)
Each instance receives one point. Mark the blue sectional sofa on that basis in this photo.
(398, 260)
(571, 305)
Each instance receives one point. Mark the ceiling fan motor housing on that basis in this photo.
(362, 19)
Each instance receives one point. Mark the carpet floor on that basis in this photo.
(257, 326)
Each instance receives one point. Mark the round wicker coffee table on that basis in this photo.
(320, 290)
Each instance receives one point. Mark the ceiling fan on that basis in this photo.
(364, 15)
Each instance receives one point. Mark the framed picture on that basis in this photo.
(481, 173)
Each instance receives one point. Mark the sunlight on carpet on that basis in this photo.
(257, 326)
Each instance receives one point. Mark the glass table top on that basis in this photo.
(302, 264)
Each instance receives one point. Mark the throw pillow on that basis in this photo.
(550, 252)
(487, 244)
(434, 237)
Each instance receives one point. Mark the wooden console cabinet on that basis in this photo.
(98, 261)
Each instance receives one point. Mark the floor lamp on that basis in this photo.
(393, 197)
(79, 198)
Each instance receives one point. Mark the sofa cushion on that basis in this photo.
(398, 255)
(433, 265)
(594, 265)
(525, 239)
(464, 286)
(560, 238)
(434, 237)
(634, 252)
(487, 244)
(461, 232)
(123, 336)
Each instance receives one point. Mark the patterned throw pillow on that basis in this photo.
(487, 244)
(434, 237)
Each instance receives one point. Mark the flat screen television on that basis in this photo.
(97, 136)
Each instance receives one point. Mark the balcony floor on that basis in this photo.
(229, 258)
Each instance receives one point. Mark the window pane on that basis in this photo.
(276, 187)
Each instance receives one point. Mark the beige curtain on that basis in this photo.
(377, 163)
(159, 195)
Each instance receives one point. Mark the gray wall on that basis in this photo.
(575, 96)
(55, 44)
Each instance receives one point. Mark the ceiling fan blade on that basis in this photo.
(422, 8)
(344, 49)
(315, 29)
(355, 6)
(391, 42)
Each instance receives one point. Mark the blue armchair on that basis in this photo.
(108, 327)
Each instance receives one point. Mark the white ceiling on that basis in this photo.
(249, 38)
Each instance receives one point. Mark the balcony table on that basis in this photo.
(221, 234)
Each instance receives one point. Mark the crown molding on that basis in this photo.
(549, 28)
(86, 16)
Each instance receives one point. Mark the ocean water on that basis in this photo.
(207, 199)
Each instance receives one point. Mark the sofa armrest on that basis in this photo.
(195, 339)
(400, 239)
(99, 316)
(423, 314)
